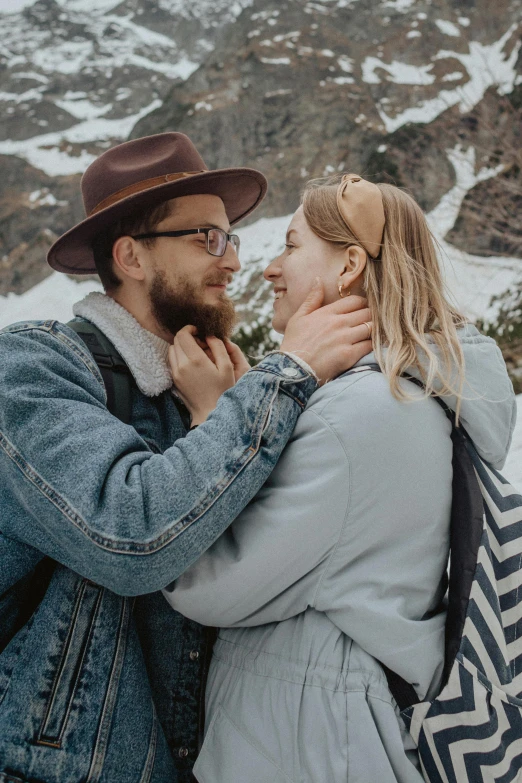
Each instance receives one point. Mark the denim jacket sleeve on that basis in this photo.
(86, 490)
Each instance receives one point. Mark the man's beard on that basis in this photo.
(174, 308)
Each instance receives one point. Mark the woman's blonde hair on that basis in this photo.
(404, 288)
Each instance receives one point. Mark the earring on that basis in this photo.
(341, 291)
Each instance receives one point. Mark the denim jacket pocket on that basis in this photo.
(227, 754)
(70, 665)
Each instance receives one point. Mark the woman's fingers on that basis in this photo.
(237, 357)
(186, 340)
(219, 353)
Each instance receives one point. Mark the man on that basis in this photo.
(95, 684)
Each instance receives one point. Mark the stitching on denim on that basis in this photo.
(153, 741)
(51, 328)
(102, 739)
(43, 738)
(176, 529)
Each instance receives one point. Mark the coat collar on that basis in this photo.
(145, 353)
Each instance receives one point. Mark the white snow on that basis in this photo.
(52, 298)
(14, 6)
(398, 72)
(487, 65)
(83, 109)
(455, 76)
(447, 28)
(345, 63)
(399, 5)
(414, 34)
(46, 152)
(472, 280)
(275, 60)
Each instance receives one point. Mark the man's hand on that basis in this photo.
(201, 379)
(331, 339)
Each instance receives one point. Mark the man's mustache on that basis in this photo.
(226, 280)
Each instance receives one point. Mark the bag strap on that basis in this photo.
(116, 375)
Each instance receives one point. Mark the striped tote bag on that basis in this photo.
(472, 731)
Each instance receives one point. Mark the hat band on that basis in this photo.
(138, 187)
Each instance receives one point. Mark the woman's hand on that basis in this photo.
(201, 379)
(238, 359)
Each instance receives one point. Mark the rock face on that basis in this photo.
(297, 88)
(74, 81)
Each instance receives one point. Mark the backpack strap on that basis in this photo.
(116, 375)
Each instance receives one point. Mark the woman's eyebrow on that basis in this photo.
(291, 231)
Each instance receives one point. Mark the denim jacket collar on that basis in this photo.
(144, 352)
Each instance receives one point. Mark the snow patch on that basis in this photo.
(83, 109)
(447, 28)
(486, 65)
(47, 152)
(400, 73)
(399, 5)
(275, 60)
(53, 298)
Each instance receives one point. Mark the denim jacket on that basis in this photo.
(99, 678)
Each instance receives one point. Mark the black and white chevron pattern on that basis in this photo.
(472, 732)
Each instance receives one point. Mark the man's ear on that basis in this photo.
(355, 260)
(127, 258)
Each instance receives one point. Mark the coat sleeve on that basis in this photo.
(282, 539)
(85, 489)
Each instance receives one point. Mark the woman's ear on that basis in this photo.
(127, 259)
(355, 259)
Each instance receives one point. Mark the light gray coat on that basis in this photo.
(338, 563)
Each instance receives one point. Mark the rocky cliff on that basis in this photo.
(406, 91)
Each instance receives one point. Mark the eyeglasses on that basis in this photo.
(217, 239)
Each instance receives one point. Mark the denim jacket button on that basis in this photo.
(290, 372)
(194, 655)
(183, 753)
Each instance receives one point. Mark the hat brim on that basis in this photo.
(240, 189)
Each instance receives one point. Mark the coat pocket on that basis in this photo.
(70, 666)
(229, 756)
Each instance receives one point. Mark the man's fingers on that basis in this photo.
(360, 333)
(314, 298)
(347, 305)
(358, 350)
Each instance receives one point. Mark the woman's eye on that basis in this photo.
(289, 246)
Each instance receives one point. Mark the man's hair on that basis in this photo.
(137, 221)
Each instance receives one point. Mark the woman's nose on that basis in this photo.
(273, 270)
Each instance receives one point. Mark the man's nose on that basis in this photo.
(230, 260)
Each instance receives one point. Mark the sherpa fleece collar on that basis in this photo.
(145, 353)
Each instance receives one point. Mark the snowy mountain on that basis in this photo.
(426, 94)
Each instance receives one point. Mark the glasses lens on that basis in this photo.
(234, 241)
(217, 242)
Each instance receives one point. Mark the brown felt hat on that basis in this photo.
(144, 173)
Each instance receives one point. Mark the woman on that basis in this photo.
(339, 564)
